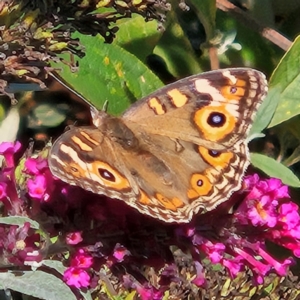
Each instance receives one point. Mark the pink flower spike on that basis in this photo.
(216, 252)
(3, 188)
(8, 149)
(294, 232)
(37, 187)
(254, 264)
(199, 280)
(251, 180)
(289, 240)
(289, 215)
(74, 238)
(263, 212)
(34, 166)
(145, 294)
(77, 277)
(233, 266)
(82, 260)
(281, 268)
(31, 166)
(258, 279)
(296, 252)
(274, 183)
(190, 232)
(120, 252)
(283, 192)
(280, 190)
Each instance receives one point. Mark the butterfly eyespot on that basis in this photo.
(214, 153)
(233, 90)
(216, 119)
(199, 182)
(218, 159)
(73, 169)
(106, 175)
(199, 186)
(133, 172)
(131, 143)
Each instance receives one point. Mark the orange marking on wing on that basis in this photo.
(172, 204)
(200, 186)
(84, 134)
(220, 161)
(177, 98)
(192, 194)
(234, 92)
(74, 166)
(177, 202)
(155, 104)
(214, 133)
(83, 146)
(144, 199)
(75, 170)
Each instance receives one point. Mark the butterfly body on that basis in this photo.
(174, 153)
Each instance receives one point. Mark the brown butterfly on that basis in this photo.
(177, 152)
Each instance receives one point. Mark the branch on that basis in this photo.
(268, 33)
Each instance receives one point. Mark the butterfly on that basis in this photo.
(178, 152)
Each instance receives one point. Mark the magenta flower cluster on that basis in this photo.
(265, 214)
(77, 275)
(105, 233)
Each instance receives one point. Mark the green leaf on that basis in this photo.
(109, 73)
(131, 296)
(47, 115)
(37, 284)
(256, 51)
(266, 111)
(206, 10)
(55, 264)
(60, 268)
(19, 174)
(86, 295)
(137, 36)
(180, 58)
(286, 78)
(185, 34)
(274, 169)
(18, 220)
